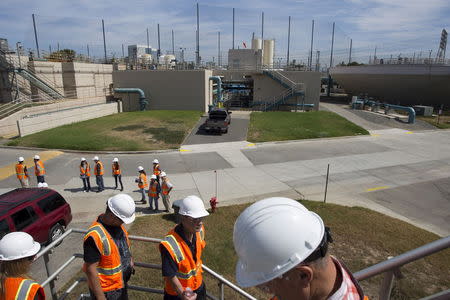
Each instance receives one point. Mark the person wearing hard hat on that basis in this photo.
(156, 169)
(39, 169)
(181, 252)
(98, 172)
(117, 173)
(166, 188)
(22, 172)
(282, 247)
(85, 174)
(17, 252)
(108, 263)
(153, 192)
(142, 183)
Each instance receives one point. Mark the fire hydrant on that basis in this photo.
(213, 202)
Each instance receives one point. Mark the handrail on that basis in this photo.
(403, 259)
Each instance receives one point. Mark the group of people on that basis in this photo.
(282, 248)
(39, 172)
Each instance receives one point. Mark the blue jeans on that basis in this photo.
(155, 200)
(143, 195)
(99, 180)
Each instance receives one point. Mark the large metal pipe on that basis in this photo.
(218, 81)
(142, 100)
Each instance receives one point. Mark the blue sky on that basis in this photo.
(393, 26)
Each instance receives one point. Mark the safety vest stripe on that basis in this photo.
(172, 243)
(110, 271)
(99, 231)
(24, 289)
(186, 276)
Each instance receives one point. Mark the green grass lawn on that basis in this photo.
(143, 130)
(280, 126)
(444, 121)
(361, 238)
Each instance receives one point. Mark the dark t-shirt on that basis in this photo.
(92, 254)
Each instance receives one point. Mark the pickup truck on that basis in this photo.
(218, 120)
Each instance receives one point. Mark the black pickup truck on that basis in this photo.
(218, 120)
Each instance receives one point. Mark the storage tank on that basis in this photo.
(256, 44)
(146, 58)
(268, 51)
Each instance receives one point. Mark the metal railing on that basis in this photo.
(391, 267)
(52, 277)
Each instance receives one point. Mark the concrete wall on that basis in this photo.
(8, 125)
(244, 59)
(166, 89)
(7, 82)
(49, 72)
(54, 119)
(86, 80)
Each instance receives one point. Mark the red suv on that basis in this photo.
(41, 212)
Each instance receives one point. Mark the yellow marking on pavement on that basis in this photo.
(250, 145)
(409, 132)
(10, 169)
(184, 150)
(377, 188)
(375, 135)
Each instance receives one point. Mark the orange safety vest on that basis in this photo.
(164, 188)
(86, 170)
(36, 169)
(22, 289)
(109, 267)
(116, 169)
(20, 171)
(156, 170)
(142, 181)
(153, 190)
(96, 172)
(189, 272)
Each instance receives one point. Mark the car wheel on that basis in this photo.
(56, 231)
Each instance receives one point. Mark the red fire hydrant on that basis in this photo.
(213, 202)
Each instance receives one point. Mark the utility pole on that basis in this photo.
(87, 47)
(375, 56)
(331, 63)
(350, 52)
(289, 41)
(197, 52)
(123, 52)
(317, 69)
(35, 36)
(218, 54)
(158, 53)
(262, 31)
(148, 42)
(312, 43)
(173, 44)
(58, 46)
(104, 39)
(233, 28)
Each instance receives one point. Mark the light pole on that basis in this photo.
(19, 47)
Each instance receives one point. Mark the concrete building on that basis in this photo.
(244, 59)
(137, 52)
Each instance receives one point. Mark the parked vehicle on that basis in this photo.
(41, 212)
(218, 120)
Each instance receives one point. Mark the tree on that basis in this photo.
(64, 55)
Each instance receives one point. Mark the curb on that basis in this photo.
(91, 152)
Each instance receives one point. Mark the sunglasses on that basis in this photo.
(195, 220)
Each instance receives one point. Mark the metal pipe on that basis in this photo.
(148, 41)
(145, 289)
(403, 259)
(350, 53)
(35, 36)
(218, 80)
(158, 53)
(142, 100)
(231, 285)
(410, 110)
(218, 47)
(262, 33)
(52, 244)
(104, 39)
(197, 51)
(71, 288)
(50, 277)
(59, 270)
(173, 44)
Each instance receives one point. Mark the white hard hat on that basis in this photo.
(115, 159)
(45, 185)
(155, 161)
(140, 168)
(83, 159)
(95, 158)
(37, 157)
(271, 237)
(193, 206)
(40, 184)
(123, 207)
(153, 176)
(21, 159)
(163, 174)
(17, 245)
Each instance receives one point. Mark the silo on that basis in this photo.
(256, 44)
(269, 46)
